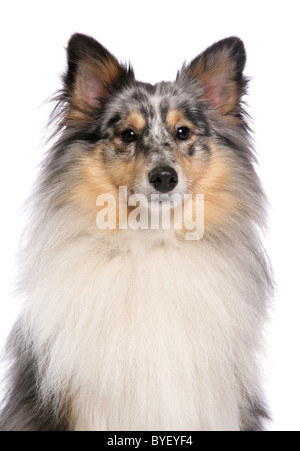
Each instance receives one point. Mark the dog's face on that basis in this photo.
(175, 137)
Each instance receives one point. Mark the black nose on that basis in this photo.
(163, 178)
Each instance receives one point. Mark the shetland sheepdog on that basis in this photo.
(129, 323)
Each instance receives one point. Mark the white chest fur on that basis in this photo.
(155, 338)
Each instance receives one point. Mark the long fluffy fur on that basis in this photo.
(141, 330)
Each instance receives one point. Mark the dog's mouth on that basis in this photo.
(155, 199)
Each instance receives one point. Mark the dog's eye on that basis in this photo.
(183, 133)
(128, 136)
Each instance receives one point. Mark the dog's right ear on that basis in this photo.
(93, 74)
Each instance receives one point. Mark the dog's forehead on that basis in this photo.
(150, 100)
(155, 109)
(156, 104)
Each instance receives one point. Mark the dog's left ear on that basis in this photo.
(219, 71)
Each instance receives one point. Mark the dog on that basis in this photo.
(128, 324)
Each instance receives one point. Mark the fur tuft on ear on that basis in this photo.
(219, 71)
(93, 74)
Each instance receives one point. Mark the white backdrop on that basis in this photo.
(157, 36)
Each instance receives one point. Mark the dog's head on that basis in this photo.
(183, 137)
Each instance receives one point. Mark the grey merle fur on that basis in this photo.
(25, 409)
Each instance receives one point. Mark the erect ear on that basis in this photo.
(93, 74)
(219, 70)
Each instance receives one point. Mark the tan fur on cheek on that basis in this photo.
(214, 179)
(93, 181)
(97, 178)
